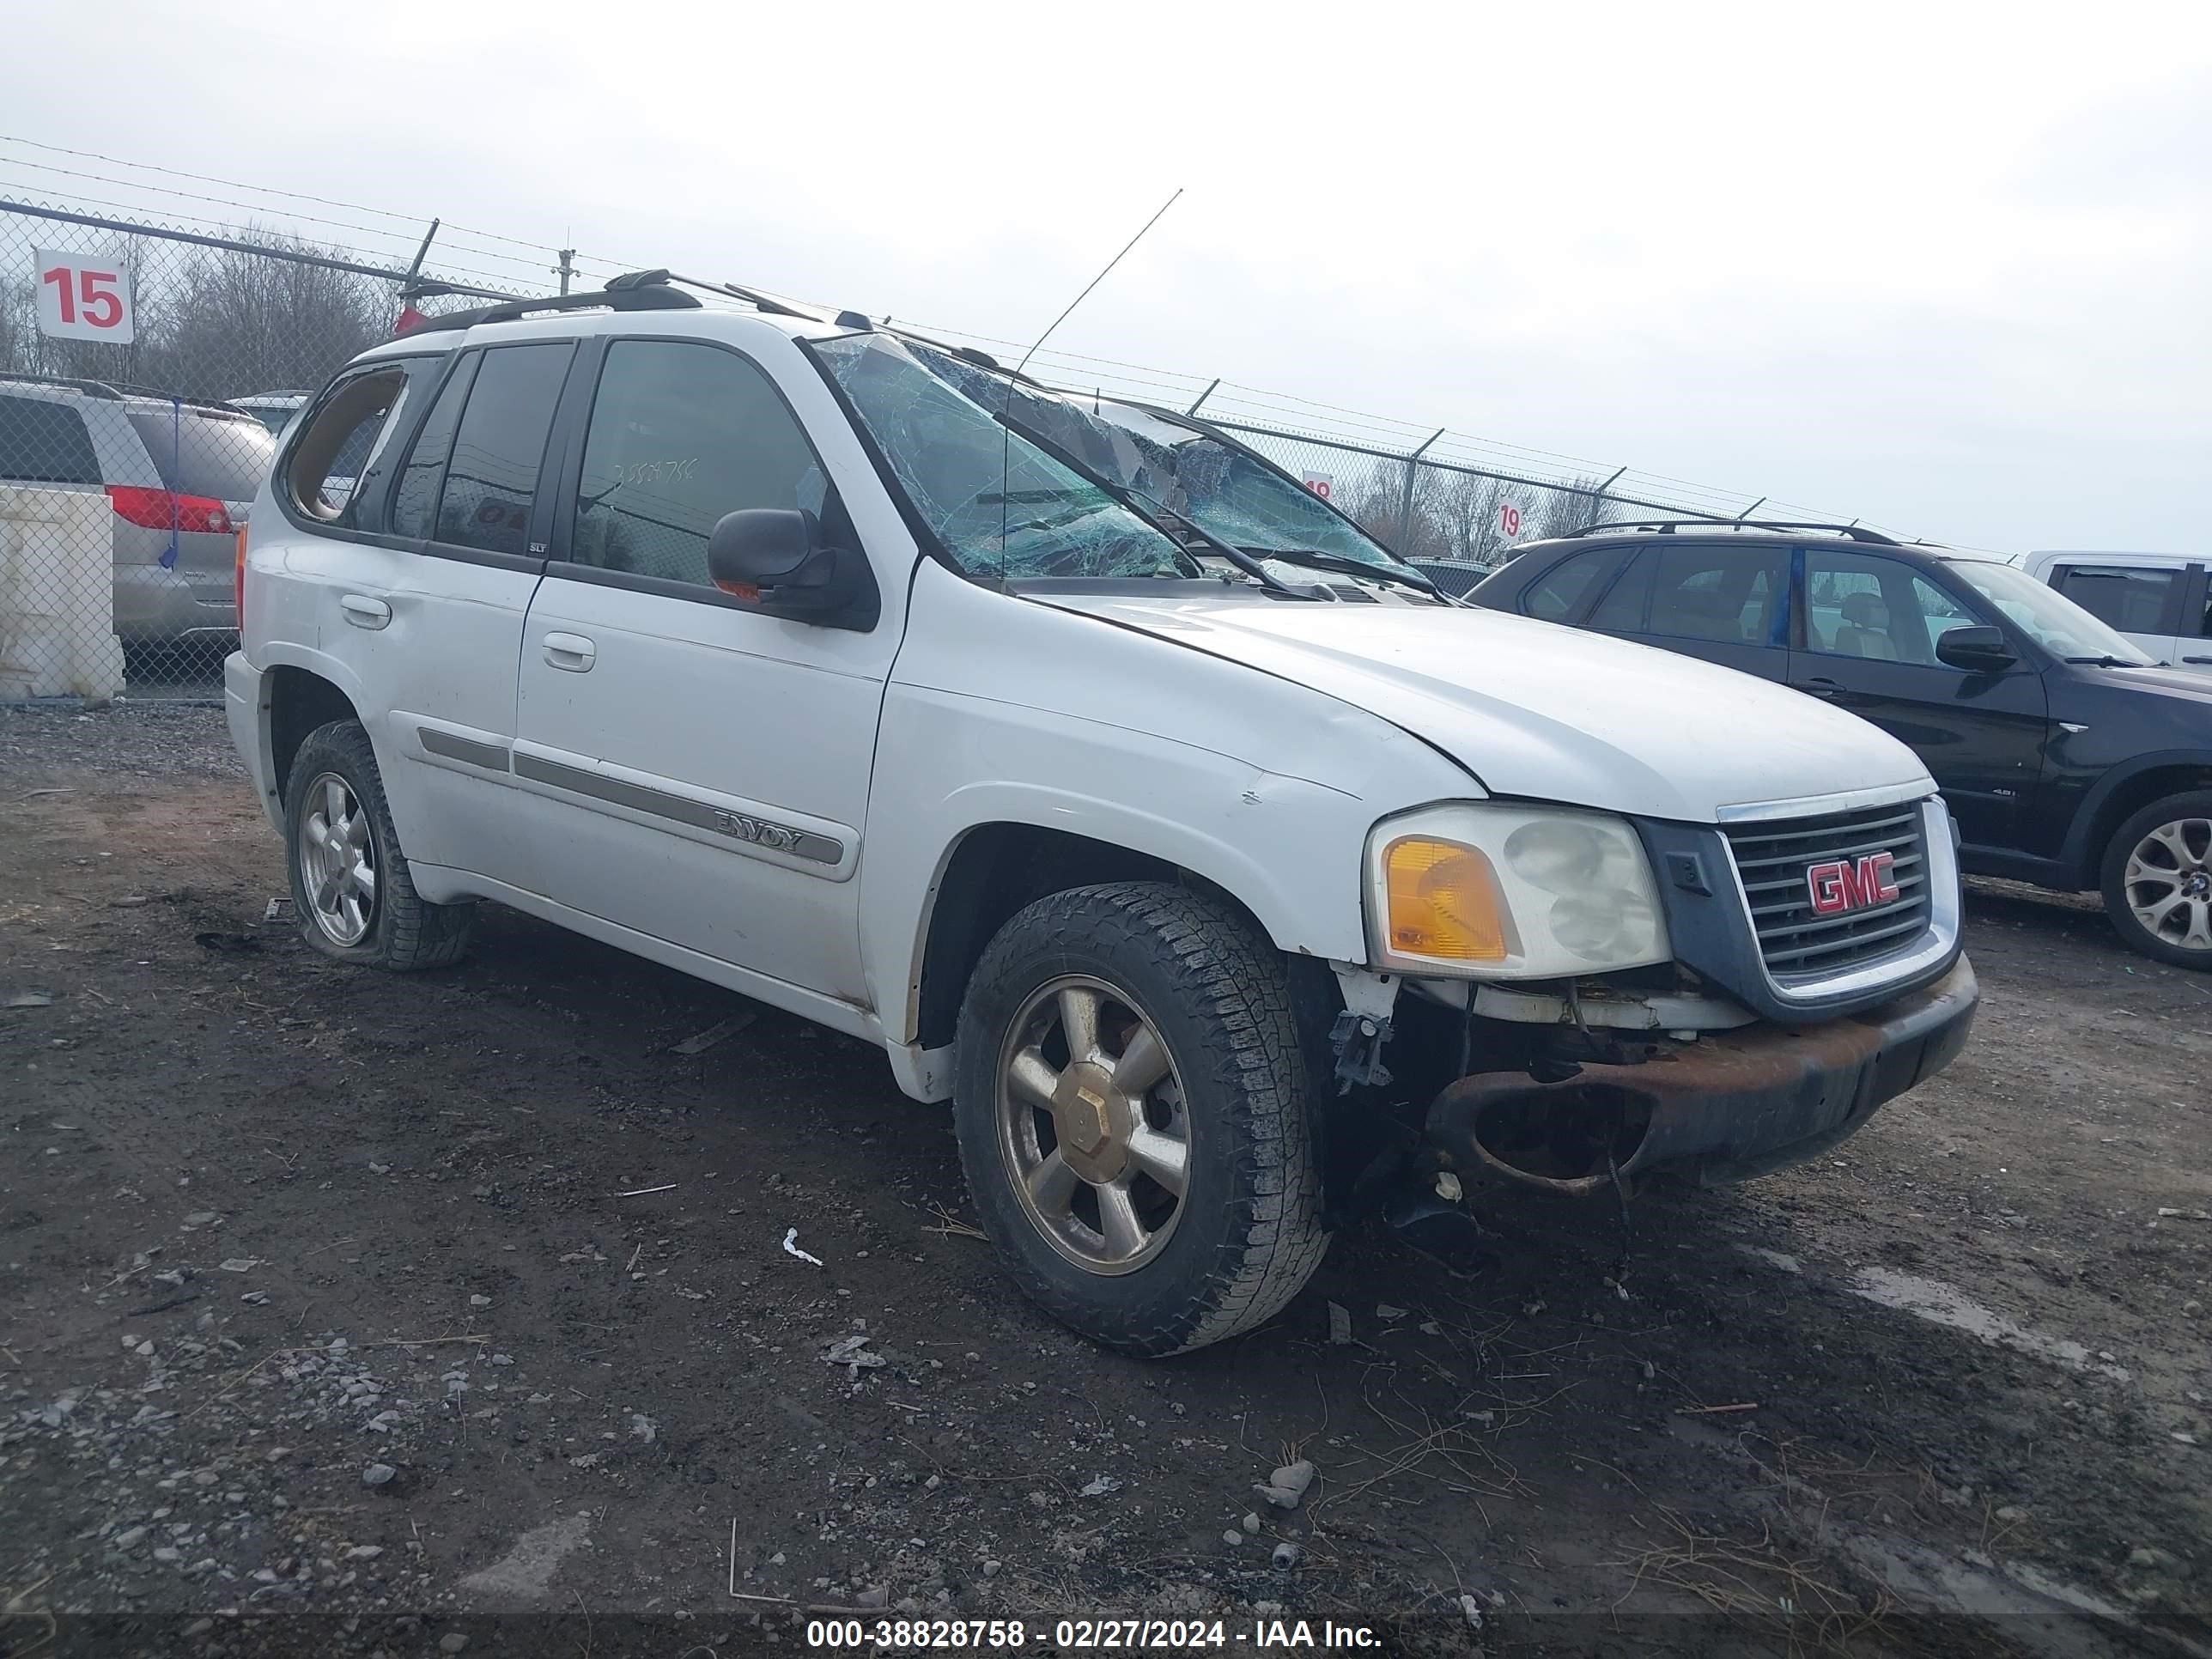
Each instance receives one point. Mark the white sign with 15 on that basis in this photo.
(82, 297)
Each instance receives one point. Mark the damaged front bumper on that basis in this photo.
(1730, 1106)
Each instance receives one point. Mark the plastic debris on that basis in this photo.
(791, 1248)
(1288, 1484)
(1339, 1324)
(852, 1353)
(1102, 1485)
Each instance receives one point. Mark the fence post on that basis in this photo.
(1406, 500)
(1597, 501)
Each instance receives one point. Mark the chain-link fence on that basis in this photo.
(147, 370)
(145, 374)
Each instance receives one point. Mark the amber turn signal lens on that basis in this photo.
(1444, 902)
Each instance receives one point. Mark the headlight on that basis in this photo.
(1488, 890)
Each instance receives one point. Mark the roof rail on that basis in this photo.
(77, 383)
(1857, 532)
(638, 290)
(117, 391)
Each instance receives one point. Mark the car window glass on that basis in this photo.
(1858, 604)
(1724, 593)
(325, 470)
(1939, 614)
(1621, 609)
(415, 500)
(44, 441)
(493, 476)
(222, 456)
(1561, 591)
(679, 435)
(2130, 598)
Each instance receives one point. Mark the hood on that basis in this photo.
(1542, 712)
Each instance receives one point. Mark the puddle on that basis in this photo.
(1940, 1304)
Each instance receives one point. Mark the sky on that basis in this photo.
(1946, 269)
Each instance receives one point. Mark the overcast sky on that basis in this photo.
(1947, 269)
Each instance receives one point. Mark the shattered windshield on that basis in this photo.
(1226, 491)
(1000, 505)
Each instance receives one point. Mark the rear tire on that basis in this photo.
(351, 889)
(1130, 1105)
(2157, 880)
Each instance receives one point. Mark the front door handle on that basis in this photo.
(362, 611)
(571, 653)
(1823, 688)
(2198, 662)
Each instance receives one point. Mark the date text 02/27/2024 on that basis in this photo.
(1083, 1635)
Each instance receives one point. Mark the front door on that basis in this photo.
(1867, 643)
(709, 764)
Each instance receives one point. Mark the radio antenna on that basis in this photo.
(1006, 405)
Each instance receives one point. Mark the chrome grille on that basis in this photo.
(1773, 858)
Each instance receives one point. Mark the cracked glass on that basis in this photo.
(1000, 505)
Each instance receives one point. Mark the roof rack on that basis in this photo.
(637, 290)
(1857, 532)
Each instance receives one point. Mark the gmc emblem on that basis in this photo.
(1839, 885)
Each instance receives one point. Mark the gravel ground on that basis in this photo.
(349, 1313)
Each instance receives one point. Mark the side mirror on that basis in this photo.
(773, 559)
(1979, 650)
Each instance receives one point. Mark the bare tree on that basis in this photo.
(239, 323)
(1563, 512)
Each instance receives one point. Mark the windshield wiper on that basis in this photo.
(2108, 662)
(1347, 566)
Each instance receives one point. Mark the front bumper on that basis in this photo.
(1731, 1106)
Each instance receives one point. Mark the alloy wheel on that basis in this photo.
(338, 860)
(1093, 1125)
(2168, 883)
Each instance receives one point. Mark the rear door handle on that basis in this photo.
(362, 611)
(2199, 662)
(1823, 688)
(571, 653)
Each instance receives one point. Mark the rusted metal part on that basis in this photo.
(1731, 1106)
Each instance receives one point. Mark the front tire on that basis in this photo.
(2157, 880)
(1130, 1105)
(351, 890)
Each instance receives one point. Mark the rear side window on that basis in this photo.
(415, 500)
(1621, 609)
(42, 441)
(1722, 593)
(222, 456)
(2130, 598)
(681, 434)
(492, 479)
(330, 467)
(1560, 593)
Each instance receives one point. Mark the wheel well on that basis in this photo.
(298, 702)
(2129, 798)
(996, 869)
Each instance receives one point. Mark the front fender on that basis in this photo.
(1286, 849)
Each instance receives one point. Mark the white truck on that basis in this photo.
(1218, 871)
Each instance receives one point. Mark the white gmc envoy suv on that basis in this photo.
(1226, 877)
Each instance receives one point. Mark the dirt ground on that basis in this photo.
(367, 1313)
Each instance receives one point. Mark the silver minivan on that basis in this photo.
(179, 476)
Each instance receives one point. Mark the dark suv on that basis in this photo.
(2069, 759)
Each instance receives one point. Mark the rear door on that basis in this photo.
(425, 604)
(1725, 604)
(2145, 601)
(1867, 642)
